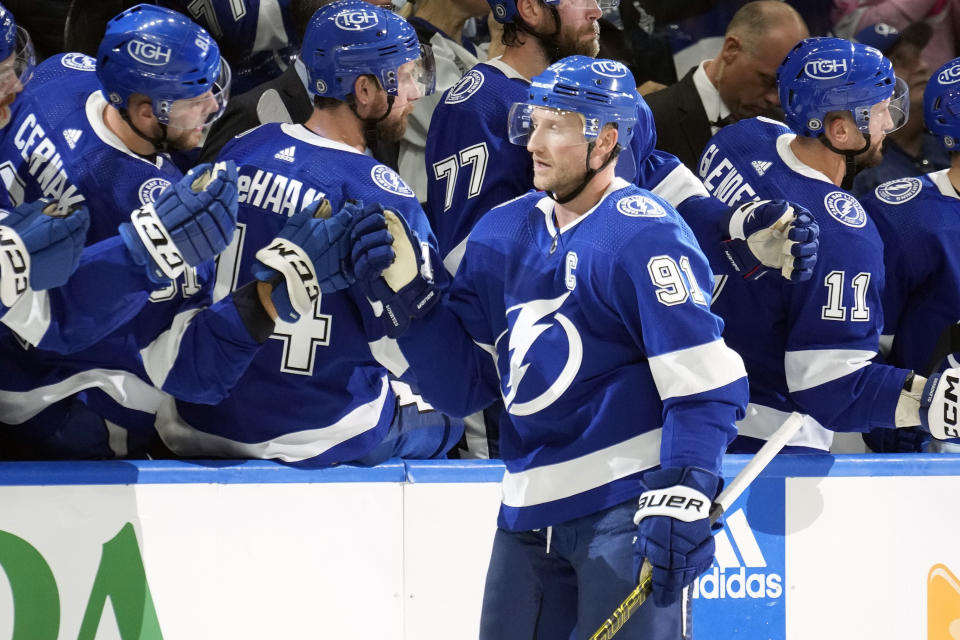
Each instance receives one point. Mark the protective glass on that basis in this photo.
(550, 126)
(17, 69)
(887, 116)
(195, 113)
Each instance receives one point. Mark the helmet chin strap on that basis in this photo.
(370, 124)
(159, 142)
(850, 156)
(588, 176)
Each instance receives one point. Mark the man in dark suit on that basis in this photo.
(741, 82)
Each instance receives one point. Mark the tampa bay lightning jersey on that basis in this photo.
(599, 339)
(472, 166)
(316, 393)
(919, 222)
(807, 346)
(58, 146)
(256, 37)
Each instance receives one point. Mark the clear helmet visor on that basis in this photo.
(550, 126)
(887, 116)
(17, 69)
(201, 111)
(586, 5)
(416, 78)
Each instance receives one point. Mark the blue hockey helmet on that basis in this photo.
(17, 58)
(601, 91)
(506, 10)
(941, 104)
(823, 75)
(165, 56)
(350, 38)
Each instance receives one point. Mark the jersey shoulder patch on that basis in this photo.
(389, 180)
(898, 191)
(845, 209)
(468, 85)
(640, 206)
(78, 62)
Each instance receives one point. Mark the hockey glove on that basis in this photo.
(191, 222)
(406, 288)
(311, 255)
(673, 529)
(38, 249)
(940, 406)
(772, 234)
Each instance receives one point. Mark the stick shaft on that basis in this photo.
(726, 498)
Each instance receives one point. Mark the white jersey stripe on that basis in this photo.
(761, 422)
(679, 185)
(29, 316)
(552, 482)
(690, 371)
(160, 355)
(813, 367)
(290, 447)
(125, 388)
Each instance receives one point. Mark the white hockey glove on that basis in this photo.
(772, 234)
(940, 404)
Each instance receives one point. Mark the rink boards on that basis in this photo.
(846, 546)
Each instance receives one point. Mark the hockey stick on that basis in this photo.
(726, 498)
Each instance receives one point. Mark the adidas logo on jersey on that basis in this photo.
(731, 578)
(286, 154)
(71, 136)
(761, 166)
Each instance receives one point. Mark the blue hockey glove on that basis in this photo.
(38, 249)
(673, 529)
(191, 222)
(311, 254)
(772, 234)
(940, 404)
(406, 288)
(902, 440)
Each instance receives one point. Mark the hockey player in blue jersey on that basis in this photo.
(90, 132)
(811, 347)
(591, 319)
(331, 367)
(472, 167)
(917, 219)
(36, 251)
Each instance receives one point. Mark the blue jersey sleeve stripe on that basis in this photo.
(687, 372)
(813, 367)
(548, 483)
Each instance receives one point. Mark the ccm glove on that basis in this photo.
(191, 222)
(772, 234)
(940, 404)
(673, 529)
(406, 288)
(39, 249)
(312, 255)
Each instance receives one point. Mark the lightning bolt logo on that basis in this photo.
(525, 330)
